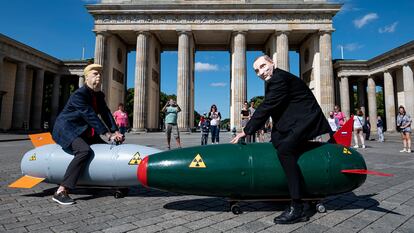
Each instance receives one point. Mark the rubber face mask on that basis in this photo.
(263, 68)
(93, 80)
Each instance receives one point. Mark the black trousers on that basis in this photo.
(288, 153)
(82, 153)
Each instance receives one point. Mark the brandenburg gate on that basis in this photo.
(274, 27)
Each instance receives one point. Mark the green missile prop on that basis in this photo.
(252, 171)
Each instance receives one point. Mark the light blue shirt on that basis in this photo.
(171, 115)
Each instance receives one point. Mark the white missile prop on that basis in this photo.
(110, 166)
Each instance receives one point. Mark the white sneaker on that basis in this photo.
(363, 146)
(356, 146)
(404, 150)
(409, 151)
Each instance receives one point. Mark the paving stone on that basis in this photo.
(120, 228)
(177, 229)
(226, 225)
(198, 224)
(147, 229)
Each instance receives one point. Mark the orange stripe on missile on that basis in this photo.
(41, 139)
(26, 182)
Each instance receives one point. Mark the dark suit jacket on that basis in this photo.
(296, 114)
(78, 114)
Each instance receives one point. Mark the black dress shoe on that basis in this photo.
(291, 215)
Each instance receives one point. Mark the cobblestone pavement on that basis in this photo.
(382, 204)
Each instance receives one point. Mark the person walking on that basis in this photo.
(297, 118)
(333, 122)
(339, 115)
(358, 131)
(205, 129)
(367, 128)
(171, 110)
(380, 129)
(404, 126)
(215, 118)
(252, 109)
(121, 119)
(245, 117)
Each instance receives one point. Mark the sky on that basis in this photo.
(61, 28)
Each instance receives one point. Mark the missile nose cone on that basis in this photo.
(142, 171)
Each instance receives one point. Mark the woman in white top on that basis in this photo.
(404, 124)
(358, 123)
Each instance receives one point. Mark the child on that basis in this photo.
(205, 129)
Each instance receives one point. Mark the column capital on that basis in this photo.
(186, 32)
(103, 33)
(325, 31)
(236, 32)
(143, 32)
(282, 32)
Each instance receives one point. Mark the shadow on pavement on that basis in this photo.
(334, 203)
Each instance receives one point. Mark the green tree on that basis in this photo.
(257, 100)
(380, 104)
(225, 124)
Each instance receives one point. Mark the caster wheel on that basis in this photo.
(120, 193)
(235, 209)
(320, 208)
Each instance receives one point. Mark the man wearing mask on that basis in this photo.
(297, 118)
(78, 126)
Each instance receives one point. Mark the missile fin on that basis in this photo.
(344, 135)
(366, 172)
(41, 139)
(26, 182)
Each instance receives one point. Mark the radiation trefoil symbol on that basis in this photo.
(136, 159)
(197, 162)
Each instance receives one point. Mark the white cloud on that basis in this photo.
(199, 66)
(218, 84)
(359, 23)
(351, 46)
(388, 28)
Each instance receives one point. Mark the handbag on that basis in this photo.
(398, 128)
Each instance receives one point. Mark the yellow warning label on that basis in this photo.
(136, 159)
(197, 162)
(33, 157)
(346, 151)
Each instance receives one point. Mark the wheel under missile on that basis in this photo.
(110, 165)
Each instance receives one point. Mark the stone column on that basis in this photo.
(100, 58)
(372, 104)
(38, 99)
(1, 71)
(344, 90)
(282, 50)
(141, 76)
(183, 80)
(19, 106)
(327, 101)
(81, 82)
(361, 96)
(408, 89)
(55, 98)
(238, 78)
(389, 101)
(100, 48)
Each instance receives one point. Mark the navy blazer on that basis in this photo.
(295, 113)
(78, 115)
